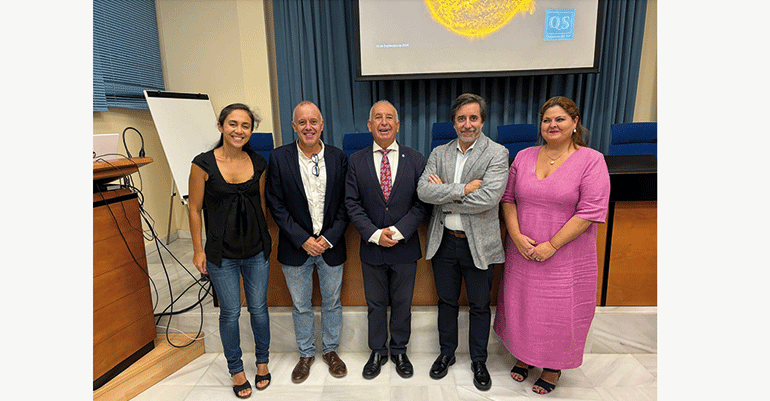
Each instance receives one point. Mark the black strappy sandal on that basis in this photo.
(524, 372)
(260, 378)
(548, 387)
(238, 388)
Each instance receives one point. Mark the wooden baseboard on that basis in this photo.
(151, 368)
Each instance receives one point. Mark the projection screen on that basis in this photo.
(410, 39)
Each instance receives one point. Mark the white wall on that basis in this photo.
(647, 88)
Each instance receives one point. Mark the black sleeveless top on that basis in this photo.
(233, 215)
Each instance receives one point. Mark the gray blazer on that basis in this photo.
(479, 210)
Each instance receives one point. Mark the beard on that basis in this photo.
(469, 136)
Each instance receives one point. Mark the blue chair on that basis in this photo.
(262, 143)
(351, 143)
(634, 139)
(442, 133)
(516, 137)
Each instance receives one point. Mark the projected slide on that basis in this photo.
(404, 38)
(476, 19)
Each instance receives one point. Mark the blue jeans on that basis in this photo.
(299, 279)
(226, 281)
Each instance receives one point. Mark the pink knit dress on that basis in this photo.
(545, 308)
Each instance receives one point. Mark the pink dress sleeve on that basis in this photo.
(518, 164)
(508, 196)
(594, 190)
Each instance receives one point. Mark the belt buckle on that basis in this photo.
(456, 234)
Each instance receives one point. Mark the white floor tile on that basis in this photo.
(362, 392)
(209, 393)
(644, 393)
(165, 392)
(615, 371)
(650, 362)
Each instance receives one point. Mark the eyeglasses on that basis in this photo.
(314, 159)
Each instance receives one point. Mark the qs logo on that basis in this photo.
(476, 19)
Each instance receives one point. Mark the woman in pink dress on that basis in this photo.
(547, 298)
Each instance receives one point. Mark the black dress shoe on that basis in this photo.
(441, 366)
(373, 365)
(403, 366)
(481, 378)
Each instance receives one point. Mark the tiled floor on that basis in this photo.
(601, 377)
(622, 363)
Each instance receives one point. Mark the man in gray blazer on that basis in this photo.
(465, 180)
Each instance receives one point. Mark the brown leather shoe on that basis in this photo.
(336, 367)
(302, 369)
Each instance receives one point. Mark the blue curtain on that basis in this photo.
(126, 53)
(315, 56)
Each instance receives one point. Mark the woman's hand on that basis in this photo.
(543, 251)
(199, 260)
(525, 245)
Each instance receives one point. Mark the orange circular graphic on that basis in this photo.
(476, 18)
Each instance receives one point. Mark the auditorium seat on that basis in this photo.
(634, 139)
(262, 143)
(356, 141)
(442, 133)
(516, 137)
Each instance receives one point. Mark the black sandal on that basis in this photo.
(260, 378)
(238, 388)
(524, 372)
(548, 387)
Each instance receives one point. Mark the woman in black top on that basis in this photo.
(225, 183)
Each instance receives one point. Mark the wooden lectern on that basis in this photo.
(629, 244)
(124, 326)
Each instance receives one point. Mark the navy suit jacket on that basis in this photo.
(287, 201)
(369, 211)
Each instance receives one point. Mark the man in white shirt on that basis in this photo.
(305, 190)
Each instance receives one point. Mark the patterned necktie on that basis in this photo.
(385, 181)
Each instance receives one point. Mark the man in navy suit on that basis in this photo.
(382, 202)
(305, 193)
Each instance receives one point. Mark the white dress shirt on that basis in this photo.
(453, 220)
(393, 157)
(315, 187)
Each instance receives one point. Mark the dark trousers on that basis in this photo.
(394, 282)
(451, 264)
